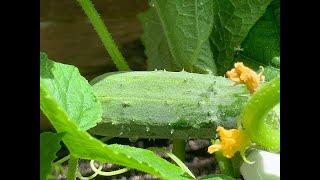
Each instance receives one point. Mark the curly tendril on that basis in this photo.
(102, 173)
(89, 177)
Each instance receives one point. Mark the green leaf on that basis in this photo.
(232, 22)
(262, 45)
(174, 158)
(72, 92)
(156, 47)
(174, 32)
(49, 146)
(82, 145)
(205, 63)
(217, 177)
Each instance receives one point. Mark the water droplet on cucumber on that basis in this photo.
(125, 104)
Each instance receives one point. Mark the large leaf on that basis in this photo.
(232, 22)
(49, 146)
(262, 45)
(205, 63)
(175, 31)
(156, 47)
(71, 91)
(82, 145)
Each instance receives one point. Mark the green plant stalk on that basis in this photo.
(62, 160)
(255, 112)
(72, 168)
(236, 162)
(178, 148)
(224, 164)
(104, 35)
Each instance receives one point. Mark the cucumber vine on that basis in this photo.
(255, 120)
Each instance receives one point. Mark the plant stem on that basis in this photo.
(180, 163)
(72, 168)
(62, 160)
(224, 164)
(104, 35)
(236, 162)
(178, 148)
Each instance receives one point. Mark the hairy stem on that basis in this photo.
(224, 164)
(72, 168)
(104, 35)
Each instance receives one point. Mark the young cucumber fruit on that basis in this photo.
(170, 105)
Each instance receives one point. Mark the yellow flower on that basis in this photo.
(242, 74)
(232, 140)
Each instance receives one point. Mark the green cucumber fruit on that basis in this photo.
(170, 105)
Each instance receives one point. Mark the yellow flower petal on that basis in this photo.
(242, 74)
(214, 148)
(231, 141)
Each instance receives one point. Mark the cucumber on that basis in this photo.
(170, 105)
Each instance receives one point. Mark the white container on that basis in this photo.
(266, 166)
